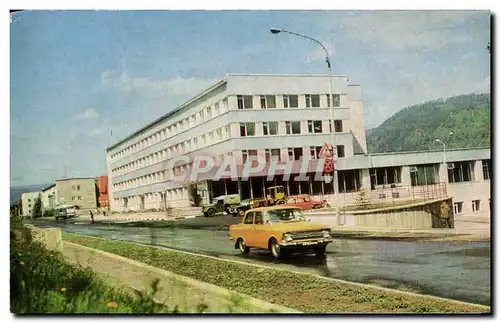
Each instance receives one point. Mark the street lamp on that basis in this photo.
(444, 151)
(332, 113)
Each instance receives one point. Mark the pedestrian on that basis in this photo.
(91, 216)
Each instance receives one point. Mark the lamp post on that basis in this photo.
(332, 114)
(444, 150)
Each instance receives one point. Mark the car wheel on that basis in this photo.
(243, 247)
(275, 248)
(280, 202)
(320, 250)
(210, 212)
(241, 212)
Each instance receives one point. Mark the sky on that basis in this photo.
(74, 75)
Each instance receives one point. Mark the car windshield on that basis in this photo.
(284, 215)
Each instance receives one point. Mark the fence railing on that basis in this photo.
(390, 195)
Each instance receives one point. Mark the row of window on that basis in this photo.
(243, 102)
(172, 194)
(294, 153)
(184, 147)
(174, 129)
(458, 207)
(270, 128)
(75, 198)
(289, 101)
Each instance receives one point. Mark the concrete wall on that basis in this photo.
(77, 191)
(425, 215)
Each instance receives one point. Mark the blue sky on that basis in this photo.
(76, 74)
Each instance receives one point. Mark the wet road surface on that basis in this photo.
(456, 270)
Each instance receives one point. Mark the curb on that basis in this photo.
(135, 219)
(220, 291)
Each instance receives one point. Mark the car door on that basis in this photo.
(247, 231)
(307, 203)
(291, 201)
(260, 234)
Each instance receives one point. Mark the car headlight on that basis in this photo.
(326, 234)
(287, 237)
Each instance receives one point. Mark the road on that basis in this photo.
(456, 270)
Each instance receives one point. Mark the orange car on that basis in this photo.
(304, 201)
(279, 229)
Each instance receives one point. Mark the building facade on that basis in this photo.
(77, 191)
(49, 197)
(102, 186)
(280, 118)
(28, 202)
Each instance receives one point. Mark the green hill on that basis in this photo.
(417, 127)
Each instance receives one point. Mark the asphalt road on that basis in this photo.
(456, 270)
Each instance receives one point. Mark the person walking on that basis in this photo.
(91, 216)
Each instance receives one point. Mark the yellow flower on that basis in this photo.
(63, 289)
(112, 304)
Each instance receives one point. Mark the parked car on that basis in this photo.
(305, 202)
(221, 204)
(279, 229)
(66, 211)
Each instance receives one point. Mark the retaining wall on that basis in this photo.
(424, 215)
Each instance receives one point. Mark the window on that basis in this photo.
(244, 102)
(267, 101)
(248, 154)
(315, 126)
(349, 180)
(457, 207)
(276, 155)
(270, 128)
(79, 198)
(424, 174)
(29, 200)
(294, 153)
(336, 100)
(292, 127)
(249, 218)
(217, 108)
(340, 151)
(290, 101)
(258, 218)
(315, 151)
(475, 205)
(460, 172)
(312, 100)
(385, 176)
(209, 112)
(247, 129)
(486, 169)
(268, 155)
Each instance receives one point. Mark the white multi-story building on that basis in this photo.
(278, 117)
(28, 202)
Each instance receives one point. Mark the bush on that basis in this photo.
(49, 213)
(37, 208)
(42, 282)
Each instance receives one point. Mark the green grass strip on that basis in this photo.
(306, 293)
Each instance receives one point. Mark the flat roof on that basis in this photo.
(48, 187)
(424, 151)
(74, 178)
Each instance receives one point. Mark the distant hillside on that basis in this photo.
(16, 191)
(417, 127)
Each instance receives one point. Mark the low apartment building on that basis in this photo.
(77, 191)
(49, 197)
(28, 202)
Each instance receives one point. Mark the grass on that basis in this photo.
(42, 282)
(306, 293)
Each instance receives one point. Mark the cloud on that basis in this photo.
(414, 30)
(178, 86)
(87, 114)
